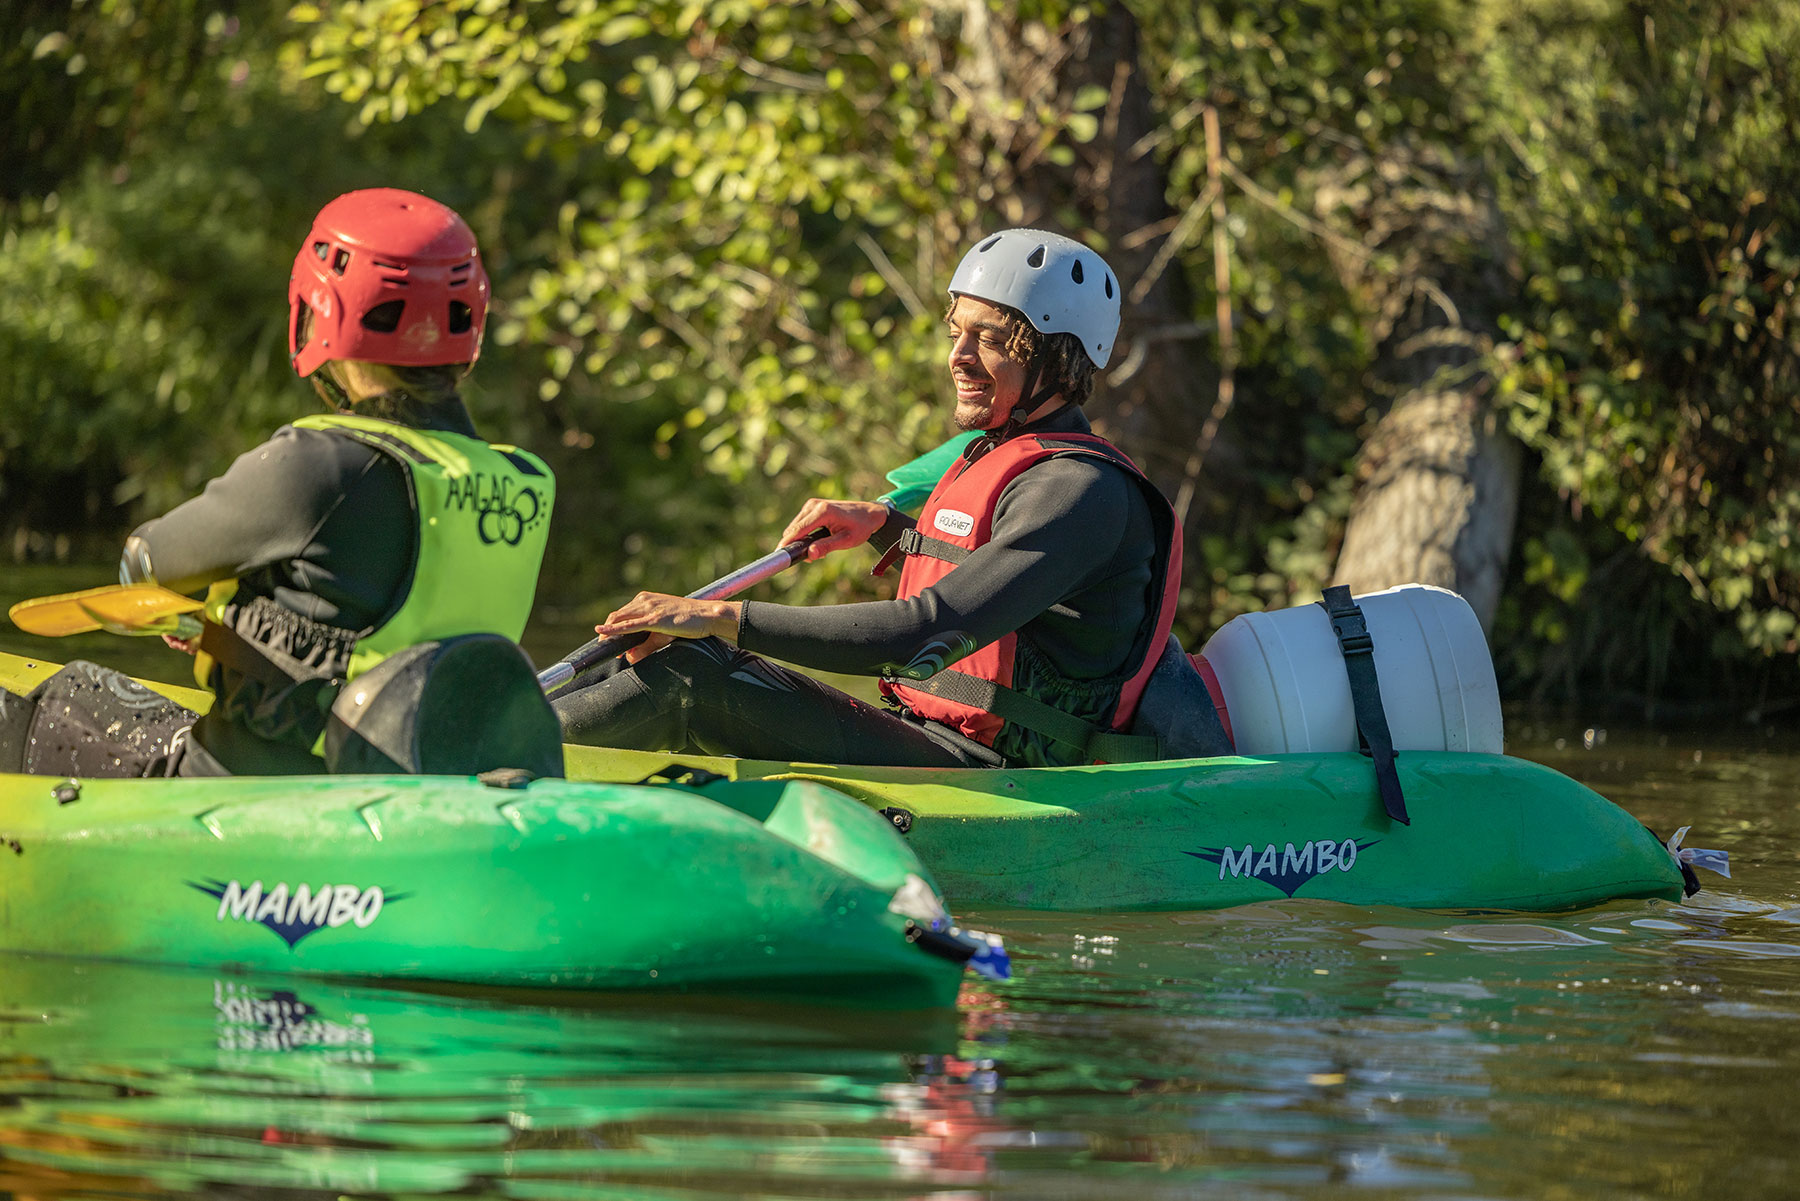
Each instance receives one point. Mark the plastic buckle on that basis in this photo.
(908, 543)
(1352, 632)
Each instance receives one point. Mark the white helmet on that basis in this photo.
(1060, 285)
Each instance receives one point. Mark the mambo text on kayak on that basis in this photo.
(1286, 868)
(295, 913)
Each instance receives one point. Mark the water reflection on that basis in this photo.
(1294, 1049)
(160, 1082)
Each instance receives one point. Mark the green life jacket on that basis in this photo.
(484, 520)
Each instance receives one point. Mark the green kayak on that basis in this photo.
(1487, 831)
(776, 886)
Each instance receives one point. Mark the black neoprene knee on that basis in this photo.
(16, 713)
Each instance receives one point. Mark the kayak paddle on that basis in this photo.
(117, 608)
(142, 609)
(914, 481)
(598, 650)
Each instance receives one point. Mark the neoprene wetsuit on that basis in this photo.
(315, 520)
(1069, 566)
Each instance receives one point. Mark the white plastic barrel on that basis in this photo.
(1286, 690)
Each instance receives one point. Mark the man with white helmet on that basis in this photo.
(1044, 566)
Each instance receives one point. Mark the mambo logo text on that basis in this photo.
(295, 913)
(1289, 867)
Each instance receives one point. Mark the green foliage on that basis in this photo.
(719, 232)
(82, 80)
(143, 295)
(122, 331)
(1642, 160)
(747, 251)
(132, 339)
(1309, 97)
(1654, 365)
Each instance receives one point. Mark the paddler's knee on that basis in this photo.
(16, 713)
(462, 706)
(88, 720)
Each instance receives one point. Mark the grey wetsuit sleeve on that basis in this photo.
(1056, 531)
(268, 507)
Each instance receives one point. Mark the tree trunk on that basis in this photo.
(1438, 489)
(1438, 479)
(1159, 384)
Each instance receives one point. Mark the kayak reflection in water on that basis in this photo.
(1044, 565)
(383, 530)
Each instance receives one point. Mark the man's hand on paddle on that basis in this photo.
(851, 522)
(665, 617)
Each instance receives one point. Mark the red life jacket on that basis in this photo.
(959, 517)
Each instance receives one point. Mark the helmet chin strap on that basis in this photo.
(330, 391)
(1034, 398)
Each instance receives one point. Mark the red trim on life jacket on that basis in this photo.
(1211, 679)
(960, 511)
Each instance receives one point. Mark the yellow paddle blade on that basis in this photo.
(122, 608)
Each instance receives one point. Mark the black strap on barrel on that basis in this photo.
(1365, 696)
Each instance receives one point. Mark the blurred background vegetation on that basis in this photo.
(719, 232)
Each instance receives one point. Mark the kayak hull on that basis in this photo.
(556, 885)
(1487, 831)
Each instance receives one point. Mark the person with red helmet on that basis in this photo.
(380, 526)
(1034, 602)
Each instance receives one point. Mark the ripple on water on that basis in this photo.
(1754, 950)
(1514, 934)
(1748, 1010)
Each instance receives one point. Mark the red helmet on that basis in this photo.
(387, 277)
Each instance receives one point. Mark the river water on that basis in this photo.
(1286, 1050)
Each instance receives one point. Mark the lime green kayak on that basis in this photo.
(782, 886)
(1487, 831)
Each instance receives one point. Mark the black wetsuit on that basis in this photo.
(1069, 566)
(316, 520)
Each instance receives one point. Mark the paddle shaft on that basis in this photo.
(598, 650)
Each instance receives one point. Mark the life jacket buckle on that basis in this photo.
(908, 543)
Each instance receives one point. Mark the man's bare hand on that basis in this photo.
(850, 522)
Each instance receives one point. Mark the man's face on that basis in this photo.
(989, 380)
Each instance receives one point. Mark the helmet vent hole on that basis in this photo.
(989, 244)
(1075, 271)
(1109, 287)
(462, 317)
(340, 260)
(321, 250)
(1035, 258)
(384, 318)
